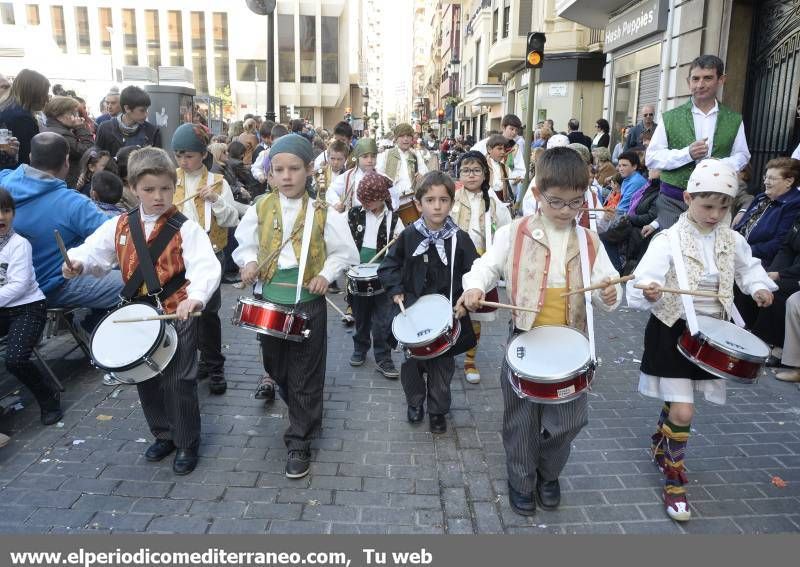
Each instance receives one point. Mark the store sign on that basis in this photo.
(557, 89)
(638, 22)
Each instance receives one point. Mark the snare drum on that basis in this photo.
(550, 364)
(363, 280)
(271, 319)
(408, 212)
(428, 328)
(133, 352)
(725, 350)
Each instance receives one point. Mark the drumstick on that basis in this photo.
(190, 197)
(696, 292)
(384, 249)
(402, 307)
(156, 317)
(63, 249)
(615, 281)
(597, 209)
(276, 253)
(335, 307)
(507, 306)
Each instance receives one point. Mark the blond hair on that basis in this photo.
(149, 161)
(216, 150)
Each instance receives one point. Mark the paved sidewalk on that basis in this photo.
(375, 473)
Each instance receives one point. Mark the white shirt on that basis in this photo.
(403, 183)
(321, 160)
(373, 221)
(337, 191)
(257, 169)
(659, 156)
(224, 208)
(750, 276)
(17, 277)
(339, 246)
(491, 267)
(497, 175)
(98, 254)
(519, 161)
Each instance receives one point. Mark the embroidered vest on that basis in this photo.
(168, 265)
(670, 307)
(393, 161)
(529, 263)
(217, 234)
(357, 219)
(462, 214)
(271, 234)
(679, 126)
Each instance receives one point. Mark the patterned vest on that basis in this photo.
(271, 234)
(529, 263)
(670, 307)
(679, 126)
(217, 234)
(168, 265)
(462, 214)
(393, 161)
(357, 219)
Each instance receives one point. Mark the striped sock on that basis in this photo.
(675, 439)
(657, 439)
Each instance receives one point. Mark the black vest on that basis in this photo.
(357, 219)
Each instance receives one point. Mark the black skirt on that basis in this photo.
(661, 356)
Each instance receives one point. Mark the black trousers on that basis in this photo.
(23, 325)
(428, 380)
(212, 362)
(373, 320)
(298, 369)
(767, 323)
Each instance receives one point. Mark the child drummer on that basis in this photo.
(478, 212)
(420, 264)
(539, 258)
(342, 194)
(188, 273)
(298, 368)
(713, 257)
(373, 225)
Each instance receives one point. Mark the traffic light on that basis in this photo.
(535, 52)
(440, 114)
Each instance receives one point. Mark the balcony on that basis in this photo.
(484, 95)
(590, 13)
(506, 54)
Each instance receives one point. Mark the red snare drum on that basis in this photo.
(550, 364)
(725, 350)
(428, 328)
(271, 319)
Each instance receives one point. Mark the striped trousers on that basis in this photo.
(435, 385)
(169, 401)
(298, 369)
(537, 437)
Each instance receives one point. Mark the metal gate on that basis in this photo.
(771, 120)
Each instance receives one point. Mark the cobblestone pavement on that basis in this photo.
(375, 473)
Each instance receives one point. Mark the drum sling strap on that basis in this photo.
(146, 272)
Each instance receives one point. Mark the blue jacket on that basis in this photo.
(45, 203)
(767, 235)
(630, 185)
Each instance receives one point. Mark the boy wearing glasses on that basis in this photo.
(539, 258)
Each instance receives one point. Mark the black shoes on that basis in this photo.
(438, 423)
(217, 385)
(266, 389)
(415, 414)
(357, 358)
(298, 463)
(158, 450)
(185, 461)
(549, 493)
(386, 367)
(522, 504)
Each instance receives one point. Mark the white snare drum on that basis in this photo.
(550, 364)
(133, 352)
(363, 280)
(428, 328)
(725, 350)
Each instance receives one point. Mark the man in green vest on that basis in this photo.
(699, 129)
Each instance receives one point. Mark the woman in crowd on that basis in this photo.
(18, 112)
(63, 117)
(605, 169)
(601, 139)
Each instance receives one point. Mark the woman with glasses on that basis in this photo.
(63, 117)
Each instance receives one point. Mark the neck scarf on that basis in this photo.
(4, 238)
(124, 128)
(436, 237)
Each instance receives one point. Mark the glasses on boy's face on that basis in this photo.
(560, 203)
(466, 172)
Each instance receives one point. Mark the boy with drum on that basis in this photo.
(541, 257)
(421, 263)
(342, 194)
(707, 256)
(188, 274)
(373, 225)
(288, 238)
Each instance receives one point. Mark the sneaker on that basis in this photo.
(348, 319)
(217, 385)
(4, 439)
(792, 375)
(676, 506)
(298, 463)
(386, 367)
(357, 358)
(472, 375)
(110, 380)
(266, 389)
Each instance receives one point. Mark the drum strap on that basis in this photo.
(305, 245)
(146, 272)
(586, 275)
(683, 281)
(454, 241)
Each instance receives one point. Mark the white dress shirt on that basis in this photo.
(339, 246)
(98, 254)
(17, 279)
(373, 221)
(659, 156)
(519, 161)
(337, 191)
(403, 183)
(224, 208)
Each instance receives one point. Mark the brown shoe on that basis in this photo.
(792, 375)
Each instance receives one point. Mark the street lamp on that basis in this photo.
(267, 8)
(453, 70)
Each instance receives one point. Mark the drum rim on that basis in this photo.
(454, 331)
(362, 278)
(716, 371)
(281, 308)
(581, 370)
(729, 351)
(550, 401)
(438, 334)
(155, 346)
(132, 382)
